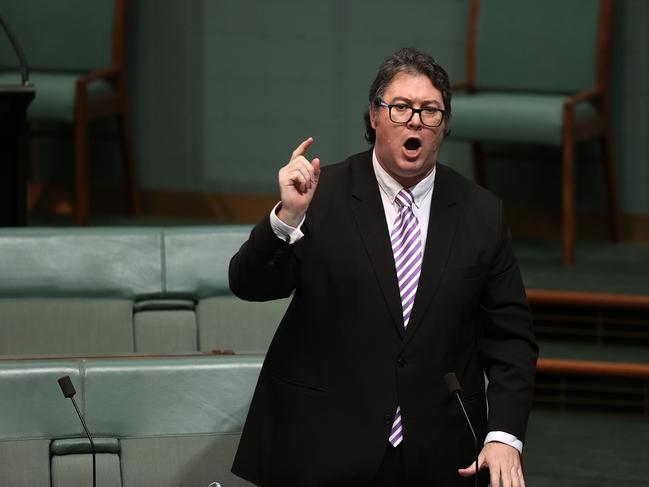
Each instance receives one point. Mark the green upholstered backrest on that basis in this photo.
(111, 262)
(169, 396)
(126, 397)
(544, 46)
(59, 35)
(197, 259)
(31, 403)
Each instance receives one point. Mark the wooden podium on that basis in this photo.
(14, 100)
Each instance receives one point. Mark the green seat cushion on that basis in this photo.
(169, 396)
(31, 403)
(227, 322)
(70, 326)
(100, 262)
(180, 460)
(197, 259)
(55, 92)
(512, 117)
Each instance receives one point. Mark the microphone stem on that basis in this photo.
(92, 443)
(24, 70)
(475, 438)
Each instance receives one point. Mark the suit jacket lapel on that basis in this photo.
(442, 225)
(367, 208)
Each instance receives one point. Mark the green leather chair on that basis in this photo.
(75, 50)
(537, 73)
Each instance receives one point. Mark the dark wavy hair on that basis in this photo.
(407, 60)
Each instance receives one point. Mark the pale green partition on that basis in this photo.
(228, 323)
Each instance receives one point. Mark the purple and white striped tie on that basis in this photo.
(406, 246)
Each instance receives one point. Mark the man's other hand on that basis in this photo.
(503, 462)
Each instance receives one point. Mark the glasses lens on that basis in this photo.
(400, 113)
(432, 117)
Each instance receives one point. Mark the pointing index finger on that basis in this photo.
(302, 148)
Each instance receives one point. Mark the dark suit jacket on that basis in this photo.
(341, 361)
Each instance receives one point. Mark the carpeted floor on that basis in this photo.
(599, 266)
(586, 449)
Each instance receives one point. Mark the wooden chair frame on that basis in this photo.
(573, 132)
(88, 108)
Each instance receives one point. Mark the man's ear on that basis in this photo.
(372, 113)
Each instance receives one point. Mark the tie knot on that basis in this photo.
(405, 198)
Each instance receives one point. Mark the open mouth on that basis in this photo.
(412, 144)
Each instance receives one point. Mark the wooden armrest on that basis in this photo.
(582, 96)
(98, 74)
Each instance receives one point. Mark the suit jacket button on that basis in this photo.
(387, 419)
(401, 362)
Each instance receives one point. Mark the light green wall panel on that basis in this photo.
(223, 90)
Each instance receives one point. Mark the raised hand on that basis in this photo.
(298, 181)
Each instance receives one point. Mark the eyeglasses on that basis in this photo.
(402, 113)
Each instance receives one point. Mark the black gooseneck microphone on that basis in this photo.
(24, 69)
(68, 391)
(454, 388)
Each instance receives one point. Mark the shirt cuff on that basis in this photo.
(506, 438)
(283, 231)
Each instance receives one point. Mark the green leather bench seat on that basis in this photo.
(224, 322)
(72, 291)
(113, 291)
(158, 421)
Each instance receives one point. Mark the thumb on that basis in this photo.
(470, 470)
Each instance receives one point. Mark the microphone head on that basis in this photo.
(66, 386)
(452, 383)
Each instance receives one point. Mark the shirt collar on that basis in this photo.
(391, 187)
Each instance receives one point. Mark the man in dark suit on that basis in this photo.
(402, 271)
